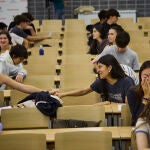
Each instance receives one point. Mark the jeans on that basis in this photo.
(59, 14)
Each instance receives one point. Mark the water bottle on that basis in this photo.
(41, 50)
(1, 126)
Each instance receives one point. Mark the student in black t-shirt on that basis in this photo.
(21, 24)
(112, 84)
(30, 29)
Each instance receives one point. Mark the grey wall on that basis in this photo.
(38, 7)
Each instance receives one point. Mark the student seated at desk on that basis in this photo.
(15, 57)
(22, 23)
(8, 39)
(112, 83)
(121, 51)
(136, 95)
(142, 129)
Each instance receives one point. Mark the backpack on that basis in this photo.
(73, 123)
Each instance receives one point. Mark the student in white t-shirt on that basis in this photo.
(15, 39)
(15, 57)
(121, 52)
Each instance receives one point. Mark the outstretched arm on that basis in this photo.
(20, 87)
(75, 92)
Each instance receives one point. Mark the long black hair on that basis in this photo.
(116, 72)
(94, 48)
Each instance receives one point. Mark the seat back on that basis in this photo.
(82, 112)
(51, 25)
(44, 82)
(88, 99)
(23, 118)
(83, 140)
(1, 98)
(16, 96)
(23, 141)
(125, 115)
(95, 20)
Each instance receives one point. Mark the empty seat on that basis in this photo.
(83, 140)
(23, 141)
(23, 118)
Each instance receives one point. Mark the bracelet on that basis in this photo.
(148, 99)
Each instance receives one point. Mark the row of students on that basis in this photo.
(121, 51)
(138, 97)
(22, 30)
(115, 86)
(11, 58)
(15, 39)
(139, 103)
(107, 18)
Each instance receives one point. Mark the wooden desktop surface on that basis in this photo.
(110, 108)
(50, 133)
(125, 132)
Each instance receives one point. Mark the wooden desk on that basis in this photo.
(113, 113)
(116, 108)
(125, 136)
(50, 133)
(108, 115)
(108, 109)
(125, 132)
(116, 113)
